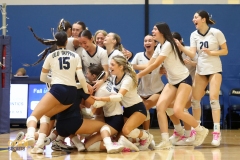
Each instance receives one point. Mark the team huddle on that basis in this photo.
(97, 72)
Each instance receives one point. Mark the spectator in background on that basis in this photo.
(21, 72)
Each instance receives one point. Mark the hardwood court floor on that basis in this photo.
(228, 150)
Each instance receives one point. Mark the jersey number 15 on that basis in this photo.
(64, 63)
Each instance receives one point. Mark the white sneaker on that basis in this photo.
(37, 150)
(183, 142)
(176, 136)
(164, 145)
(47, 141)
(144, 144)
(28, 141)
(55, 147)
(216, 138)
(114, 147)
(192, 136)
(200, 136)
(126, 143)
(152, 145)
(18, 138)
(63, 145)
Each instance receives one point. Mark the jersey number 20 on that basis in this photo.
(204, 44)
(64, 63)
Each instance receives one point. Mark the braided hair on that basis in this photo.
(63, 26)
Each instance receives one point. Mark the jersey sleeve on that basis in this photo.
(166, 49)
(192, 41)
(157, 51)
(46, 63)
(135, 59)
(79, 61)
(220, 37)
(127, 84)
(104, 58)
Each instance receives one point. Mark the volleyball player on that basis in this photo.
(150, 85)
(177, 89)
(124, 90)
(99, 37)
(63, 64)
(210, 44)
(182, 136)
(112, 43)
(113, 117)
(93, 54)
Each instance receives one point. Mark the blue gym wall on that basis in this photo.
(128, 22)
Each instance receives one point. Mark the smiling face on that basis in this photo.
(198, 21)
(156, 34)
(85, 43)
(149, 43)
(99, 39)
(109, 39)
(76, 29)
(115, 68)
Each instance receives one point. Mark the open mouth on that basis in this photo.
(147, 47)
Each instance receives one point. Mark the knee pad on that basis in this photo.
(148, 116)
(105, 128)
(44, 119)
(31, 118)
(195, 104)
(170, 111)
(95, 147)
(134, 133)
(215, 104)
(185, 110)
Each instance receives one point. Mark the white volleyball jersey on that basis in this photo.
(63, 64)
(71, 47)
(212, 40)
(176, 71)
(131, 97)
(114, 53)
(110, 108)
(100, 57)
(192, 69)
(150, 83)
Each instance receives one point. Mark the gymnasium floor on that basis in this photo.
(228, 150)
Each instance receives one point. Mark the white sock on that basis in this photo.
(187, 133)
(147, 130)
(178, 127)
(41, 138)
(60, 138)
(198, 128)
(107, 140)
(216, 127)
(52, 136)
(165, 136)
(30, 132)
(80, 146)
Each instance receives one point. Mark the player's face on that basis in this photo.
(99, 39)
(149, 43)
(76, 29)
(156, 34)
(90, 76)
(108, 39)
(85, 43)
(198, 21)
(114, 67)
